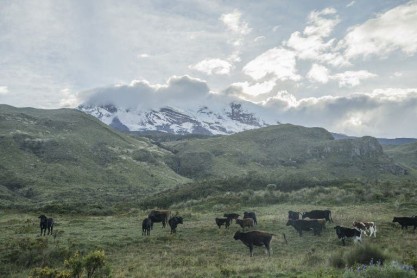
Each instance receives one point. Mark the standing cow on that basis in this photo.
(343, 233)
(306, 225)
(255, 238)
(46, 223)
(250, 214)
(365, 227)
(146, 226)
(318, 214)
(173, 223)
(159, 216)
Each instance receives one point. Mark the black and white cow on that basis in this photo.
(365, 227)
(343, 233)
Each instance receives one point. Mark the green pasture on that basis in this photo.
(199, 249)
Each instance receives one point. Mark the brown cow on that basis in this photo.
(246, 222)
(256, 238)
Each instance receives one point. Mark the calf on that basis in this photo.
(256, 238)
(343, 233)
(146, 226)
(365, 227)
(231, 216)
(318, 214)
(293, 215)
(247, 222)
(46, 223)
(173, 223)
(306, 225)
(406, 221)
(223, 221)
(250, 214)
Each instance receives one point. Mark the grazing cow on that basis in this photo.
(256, 238)
(146, 226)
(246, 222)
(159, 216)
(293, 215)
(406, 221)
(343, 233)
(318, 214)
(306, 225)
(223, 221)
(250, 214)
(366, 227)
(231, 216)
(46, 223)
(173, 222)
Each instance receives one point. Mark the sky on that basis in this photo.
(347, 66)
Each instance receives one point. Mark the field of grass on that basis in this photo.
(199, 249)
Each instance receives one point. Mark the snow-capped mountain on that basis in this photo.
(231, 118)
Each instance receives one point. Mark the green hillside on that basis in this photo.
(67, 158)
(404, 154)
(283, 151)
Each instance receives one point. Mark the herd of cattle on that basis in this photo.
(314, 220)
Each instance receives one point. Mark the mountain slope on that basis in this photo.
(405, 154)
(284, 151)
(54, 156)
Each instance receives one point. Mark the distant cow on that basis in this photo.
(173, 222)
(306, 225)
(231, 216)
(223, 221)
(159, 216)
(250, 214)
(246, 222)
(318, 214)
(406, 221)
(343, 233)
(255, 238)
(46, 223)
(293, 215)
(146, 226)
(366, 227)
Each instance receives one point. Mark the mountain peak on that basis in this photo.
(231, 118)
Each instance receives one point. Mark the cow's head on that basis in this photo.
(395, 219)
(237, 235)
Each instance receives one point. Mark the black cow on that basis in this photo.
(46, 223)
(406, 221)
(231, 216)
(306, 225)
(173, 222)
(318, 214)
(256, 238)
(146, 226)
(159, 216)
(250, 214)
(343, 233)
(293, 215)
(223, 221)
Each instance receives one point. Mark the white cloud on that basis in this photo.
(213, 66)
(311, 44)
(69, 99)
(255, 89)
(387, 32)
(352, 78)
(259, 38)
(234, 23)
(275, 28)
(350, 4)
(144, 55)
(318, 73)
(276, 63)
(4, 90)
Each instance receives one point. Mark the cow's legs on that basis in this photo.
(251, 249)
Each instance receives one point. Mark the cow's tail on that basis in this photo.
(285, 238)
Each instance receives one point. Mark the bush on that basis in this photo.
(392, 270)
(365, 254)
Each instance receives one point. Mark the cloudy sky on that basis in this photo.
(348, 66)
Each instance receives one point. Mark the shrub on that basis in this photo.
(365, 254)
(392, 270)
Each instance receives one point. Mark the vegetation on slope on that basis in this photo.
(65, 158)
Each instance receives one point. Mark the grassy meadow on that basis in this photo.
(200, 249)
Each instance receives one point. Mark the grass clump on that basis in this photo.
(365, 254)
(391, 270)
